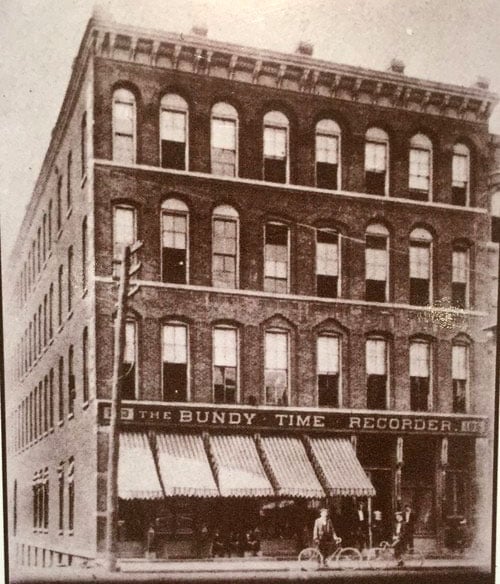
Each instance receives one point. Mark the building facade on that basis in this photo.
(308, 325)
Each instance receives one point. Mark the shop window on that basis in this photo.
(84, 254)
(224, 139)
(225, 365)
(327, 263)
(420, 370)
(225, 247)
(376, 161)
(276, 359)
(71, 495)
(460, 277)
(420, 267)
(60, 276)
(276, 258)
(327, 155)
(174, 132)
(376, 374)
(124, 127)
(129, 368)
(174, 242)
(276, 146)
(377, 263)
(460, 186)
(69, 171)
(61, 389)
(328, 370)
(420, 171)
(70, 278)
(460, 377)
(124, 232)
(85, 365)
(83, 144)
(60, 485)
(175, 362)
(71, 383)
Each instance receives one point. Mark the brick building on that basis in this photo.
(309, 322)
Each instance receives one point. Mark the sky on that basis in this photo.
(452, 41)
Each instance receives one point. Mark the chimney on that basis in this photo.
(199, 30)
(397, 66)
(305, 48)
(482, 83)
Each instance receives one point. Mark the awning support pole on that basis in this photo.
(370, 537)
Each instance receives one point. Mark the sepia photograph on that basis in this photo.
(249, 286)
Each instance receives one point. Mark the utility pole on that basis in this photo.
(114, 436)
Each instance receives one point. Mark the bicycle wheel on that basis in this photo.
(413, 558)
(309, 559)
(379, 558)
(348, 559)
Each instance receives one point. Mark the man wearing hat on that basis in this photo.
(324, 533)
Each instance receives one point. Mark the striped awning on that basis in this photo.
(239, 470)
(184, 467)
(137, 476)
(339, 467)
(290, 467)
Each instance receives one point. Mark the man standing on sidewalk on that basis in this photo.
(324, 533)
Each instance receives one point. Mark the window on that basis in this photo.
(377, 263)
(45, 320)
(460, 185)
(420, 368)
(69, 171)
(376, 374)
(60, 276)
(70, 278)
(71, 383)
(84, 254)
(30, 344)
(38, 250)
(83, 143)
(35, 337)
(225, 247)
(174, 241)
(276, 258)
(49, 226)
(60, 481)
(128, 375)
(124, 126)
(224, 140)
(39, 348)
(85, 365)
(51, 311)
(46, 499)
(225, 365)
(51, 399)
(173, 132)
(276, 376)
(59, 204)
(36, 501)
(460, 277)
(420, 267)
(175, 362)
(124, 231)
(45, 404)
(44, 237)
(460, 377)
(420, 171)
(36, 427)
(276, 147)
(376, 161)
(33, 262)
(327, 155)
(327, 263)
(71, 495)
(328, 371)
(61, 390)
(14, 513)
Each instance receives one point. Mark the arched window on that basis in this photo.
(225, 364)
(175, 237)
(276, 367)
(276, 147)
(460, 377)
(420, 171)
(224, 140)
(124, 126)
(460, 276)
(328, 370)
(420, 375)
(174, 132)
(276, 258)
(377, 397)
(175, 362)
(225, 247)
(327, 155)
(376, 161)
(460, 185)
(327, 263)
(420, 267)
(377, 263)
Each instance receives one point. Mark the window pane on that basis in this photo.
(376, 264)
(419, 360)
(223, 134)
(460, 170)
(275, 142)
(460, 266)
(328, 355)
(327, 259)
(129, 354)
(326, 149)
(276, 353)
(123, 149)
(225, 342)
(124, 227)
(173, 126)
(123, 118)
(459, 362)
(175, 344)
(420, 261)
(420, 168)
(376, 361)
(375, 157)
(174, 231)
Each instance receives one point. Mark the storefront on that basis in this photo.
(199, 480)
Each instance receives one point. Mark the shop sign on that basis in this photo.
(167, 416)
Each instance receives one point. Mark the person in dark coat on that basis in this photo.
(399, 536)
(361, 523)
(409, 519)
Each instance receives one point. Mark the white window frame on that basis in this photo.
(225, 112)
(238, 364)
(420, 142)
(227, 213)
(175, 207)
(339, 358)
(275, 330)
(377, 136)
(119, 96)
(173, 102)
(177, 323)
(329, 128)
(277, 120)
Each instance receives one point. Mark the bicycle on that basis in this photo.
(344, 558)
(383, 556)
